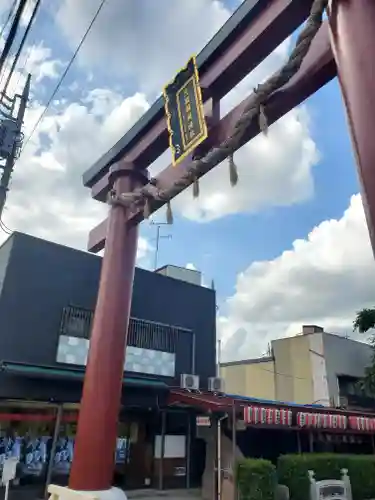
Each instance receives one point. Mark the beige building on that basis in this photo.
(312, 367)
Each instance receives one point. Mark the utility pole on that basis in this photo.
(158, 238)
(11, 129)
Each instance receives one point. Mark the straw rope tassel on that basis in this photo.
(233, 173)
(169, 214)
(147, 209)
(263, 122)
(195, 187)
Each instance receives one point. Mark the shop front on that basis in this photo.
(270, 429)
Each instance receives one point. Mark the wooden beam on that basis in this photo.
(317, 69)
(269, 25)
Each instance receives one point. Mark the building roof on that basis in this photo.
(264, 359)
(209, 402)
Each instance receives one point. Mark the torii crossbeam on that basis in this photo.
(344, 45)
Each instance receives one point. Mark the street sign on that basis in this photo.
(203, 421)
(184, 110)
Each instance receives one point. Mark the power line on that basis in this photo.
(12, 33)
(11, 12)
(39, 120)
(25, 35)
(28, 55)
(4, 228)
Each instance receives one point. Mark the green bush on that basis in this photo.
(292, 471)
(255, 479)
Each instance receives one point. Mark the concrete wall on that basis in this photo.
(344, 357)
(303, 370)
(209, 486)
(253, 378)
(293, 369)
(5, 251)
(318, 369)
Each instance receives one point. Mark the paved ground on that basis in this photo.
(32, 493)
(160, 495)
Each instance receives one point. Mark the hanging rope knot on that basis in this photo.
(169, 214)
(233, 172)
(147, 205)
(196, 188)
(261, 112)
(263, 122)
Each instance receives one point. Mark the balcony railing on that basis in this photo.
(77, 322)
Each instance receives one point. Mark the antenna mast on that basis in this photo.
(158, 238)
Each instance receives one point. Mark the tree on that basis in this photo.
(365, 321)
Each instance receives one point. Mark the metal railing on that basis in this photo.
(77, 322)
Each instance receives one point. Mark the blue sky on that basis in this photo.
(262, 291)
(263, 236)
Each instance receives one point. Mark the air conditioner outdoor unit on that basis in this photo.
(343, 402)
(215, 384)
(190, 382)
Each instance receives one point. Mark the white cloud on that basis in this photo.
(40, 64)
(47, 197)
(37, 60)
(322, 280)
(144, 39)
(274, 170)
(143, 252)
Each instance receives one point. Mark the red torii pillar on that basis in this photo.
(93, 464)
(352, 24)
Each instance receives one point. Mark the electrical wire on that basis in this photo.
(12, 33)
(9, 17)
(42, 115)
(23, 67)
(25, 35)
(4, 228)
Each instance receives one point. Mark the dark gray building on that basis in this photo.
(47, 297)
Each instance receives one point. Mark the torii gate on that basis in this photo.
(343, 45)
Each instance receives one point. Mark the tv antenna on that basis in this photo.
(159, 236)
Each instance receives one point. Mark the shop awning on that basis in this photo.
(65, 373)
(204, 401)
(274, 413)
